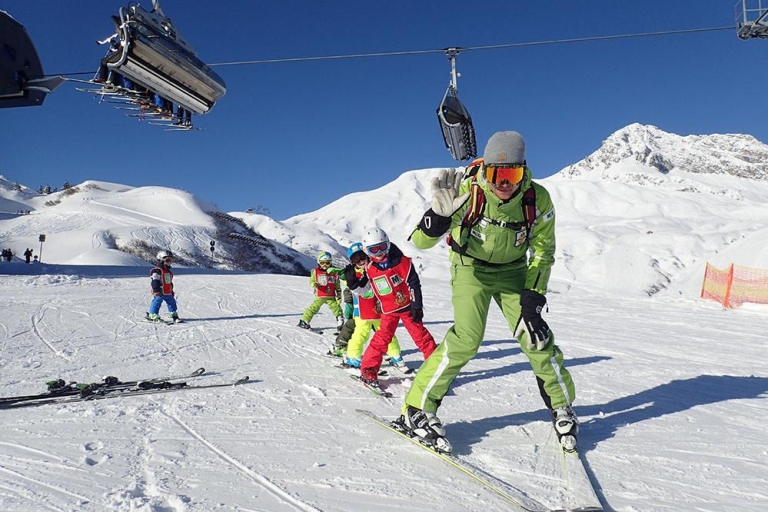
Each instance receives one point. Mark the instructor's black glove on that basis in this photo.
(531, 305)
(433, 224)
(416, 314)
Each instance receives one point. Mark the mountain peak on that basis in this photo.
(660, 152)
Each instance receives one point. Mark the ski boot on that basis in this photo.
(566, 426)
(339, 324)
(424, 426)
(338, 349)
(175, 317)
(154, 317)
(352, 362)
(304, 325)
(370, 377)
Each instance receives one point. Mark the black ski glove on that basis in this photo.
(350, 276)
(416, 313)
(531, 305)
(433, 224)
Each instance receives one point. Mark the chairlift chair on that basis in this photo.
(455, 121)
(148, 50)
(22, 81)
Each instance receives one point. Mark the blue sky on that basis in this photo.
(292, 137)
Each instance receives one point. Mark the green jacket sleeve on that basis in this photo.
(542, 243)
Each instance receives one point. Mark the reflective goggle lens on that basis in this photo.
(325, 263)
(358, 260)
(376, 249)
(497, 173)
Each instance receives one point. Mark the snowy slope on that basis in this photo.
(666, 425)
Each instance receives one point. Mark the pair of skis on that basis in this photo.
(161, 320)
(110, 387)
(578, 496)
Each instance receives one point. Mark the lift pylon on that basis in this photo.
(752, 19)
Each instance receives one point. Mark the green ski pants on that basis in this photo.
(473, 288)
(313, 308)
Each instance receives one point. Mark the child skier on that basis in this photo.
(161, 279)
(325, 281)
(367, 315)
(396, 285)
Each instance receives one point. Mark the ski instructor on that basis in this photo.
(502, 247)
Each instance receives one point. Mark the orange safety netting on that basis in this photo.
(735, 285)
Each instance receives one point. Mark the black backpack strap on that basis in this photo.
(529, 207)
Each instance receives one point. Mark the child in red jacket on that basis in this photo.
(394, 281)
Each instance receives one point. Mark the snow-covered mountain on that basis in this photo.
(100, 223)
(733, 154)
(653, 401)
(641, 215)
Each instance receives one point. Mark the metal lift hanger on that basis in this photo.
(455, 121)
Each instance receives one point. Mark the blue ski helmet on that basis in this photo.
(355, 247)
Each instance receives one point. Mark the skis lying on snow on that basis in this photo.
(100, 392)
(509, 493)
(59, 387)
(143, 389)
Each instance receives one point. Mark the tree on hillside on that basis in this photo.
(66, 185)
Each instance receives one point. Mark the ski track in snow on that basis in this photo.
(37, 321)
(33, 496)
(257, 478)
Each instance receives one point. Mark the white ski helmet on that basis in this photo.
(164, 254)
(324, 256)
(376, 244)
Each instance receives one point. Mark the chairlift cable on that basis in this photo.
(442, 50)
(468, 48)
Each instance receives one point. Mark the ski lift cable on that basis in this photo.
(443, 50)
(469, 48)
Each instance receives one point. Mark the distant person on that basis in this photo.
(502, 247)
(8, 255)
(366, 315)
(28, 255)
(394, 282)
(161, 279)
(34, 259)
(325, 281)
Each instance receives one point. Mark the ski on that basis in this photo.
(402, 368)
(376, 390)
(514, 496)
(161, 320)
(580, 495)
(58, 387)
(314, 330)
(382, 373)
(142, 388)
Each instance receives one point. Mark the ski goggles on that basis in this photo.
(359, 259)
(325, 263)
(169, 259)
(513, 173)
(380, 248)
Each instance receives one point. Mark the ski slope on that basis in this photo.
(671, 395)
